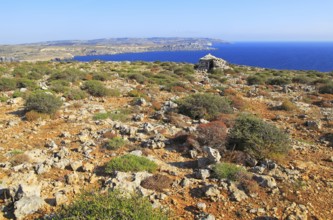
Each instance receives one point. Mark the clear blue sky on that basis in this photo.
(233, 20)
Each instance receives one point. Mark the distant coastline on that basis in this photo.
(307, 56)
(68, 49)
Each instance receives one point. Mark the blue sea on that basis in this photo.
(282, 55)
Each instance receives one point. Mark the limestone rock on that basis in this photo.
(202, 174)
(265, 181)
(28, 205)
(213, 155)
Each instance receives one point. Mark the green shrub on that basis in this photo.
(26, 83)
(75, 94)
(301, 80)
(43, 103)
(278, 81)
(70, 75)
(288, 106)
(130, 163)
(112, 205)
(3, 99)
(17, 93)
(227, 171)
(114, 92)
(205, 106)
(115, 143)
(59, 86)
(255, 80)
(326, 89)
(101, 76)
(102, 116)
(7, 84)
(120, 115)
(138, 77)
(95, 88)
(257, 137)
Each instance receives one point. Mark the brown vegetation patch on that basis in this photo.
(157, 182)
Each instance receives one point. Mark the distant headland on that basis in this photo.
(67, 49)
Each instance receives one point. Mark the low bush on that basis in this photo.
(59, 86)
(326, 89)
(111, 205)
(255, 80)
(130, 163)
(26, 83)
(280, 81)
(19, 158)
(69, 75)
(75, 94)
(34, 116)
(114, 143)
(205, 106)
(102, 116)
(213, 134)
(227, 171)
(95, 88)
(120, 115)
(43, 103)
(7, 84)
(101, 76)
(138, 77)
(157, 182)
(257, 138)
(287, 106)
(301, 80)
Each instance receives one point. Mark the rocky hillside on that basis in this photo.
(221, 142)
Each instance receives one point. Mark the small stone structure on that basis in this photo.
(210, 62)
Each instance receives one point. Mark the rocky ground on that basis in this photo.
(46, 163)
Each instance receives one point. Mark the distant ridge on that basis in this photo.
(125, 40)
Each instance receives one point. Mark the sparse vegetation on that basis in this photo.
(7, 84)
(95, 88)
(227, 171)
(111, 205)
(326, 89)
(115, 143)
(205, 106)
(157, 182)
(43, 103)
(75, 94)
(130, 163)
(257, 137)
(213, 134)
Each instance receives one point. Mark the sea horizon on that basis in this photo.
(281, 55)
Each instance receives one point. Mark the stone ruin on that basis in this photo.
(210, 62)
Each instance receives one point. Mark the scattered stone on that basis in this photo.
(72, 179)
(202, 174)
(60, 198)
(205, 216)
(315, 125)
(265, 181)
(141, 102)
(88, 167)
(28, 205)
(201, 206)
(237, 194)
(138, 117)
(51, 144)
(76, 165)
(211, 191)
(213, 155)
(185, 182)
